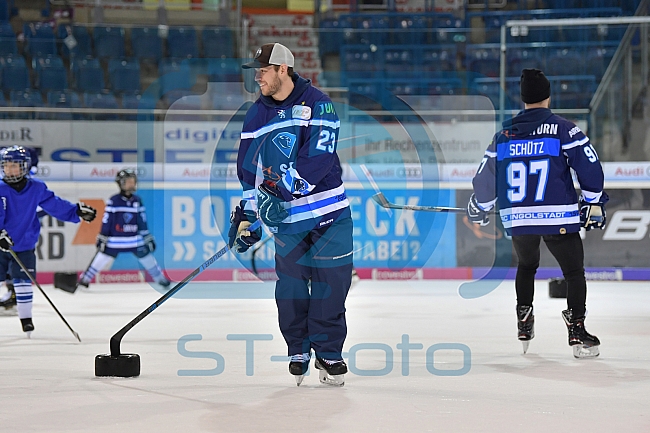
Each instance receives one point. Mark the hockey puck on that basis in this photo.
(557, 288)
(66, 281)
(124, 365)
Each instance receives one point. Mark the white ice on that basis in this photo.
(47, 383)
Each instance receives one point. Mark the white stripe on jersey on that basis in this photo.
(328, 123)
(113, 209)
(490, 154)
(591, 197)
(550, 215)
(575, 143)
(268, 128)
(124, 242)
(316, 205)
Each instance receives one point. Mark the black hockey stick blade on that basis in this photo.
(117, 338)
(31, 277)
(66, 281)
(382, 201)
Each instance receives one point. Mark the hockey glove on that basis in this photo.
(592, 215)
(5, 241)
(271, 205)
(85, 212)
(239, 238)
(149, 242)
(475, 214)
(101, 242)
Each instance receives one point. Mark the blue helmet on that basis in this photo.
(19, 155)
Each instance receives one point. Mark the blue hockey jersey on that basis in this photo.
(526, 168)
(293, 144)
(124, 223)
(18, 211)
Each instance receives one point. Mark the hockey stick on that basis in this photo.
(24, 268)
(382, 201)
(255, 250)
(117, 338)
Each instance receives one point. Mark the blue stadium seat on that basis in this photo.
(438, 59)
(124, 76)
(39, 38)
(101, 101)
(372, 30)
(359, 61)
(50, 73)
(397, 88)
(409, 29)
(109, 42)
(139, 102)
(331, 36)
(146, 44)
(598, 59)
(182, 100)
(572, 92)
(224, 70)
(519, 59)
(63, 99)
(484, 61)
(226, 96)
(441, 86)
(25, 98)
(3, 103)
(399, 60)
(7, 40)
(217, 43)
(366, 94)
(88, 75)
(75, 41)
(174, 75)
(13, 73)
(182, 43)
(565, 62)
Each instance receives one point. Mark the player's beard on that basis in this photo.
(273, 87)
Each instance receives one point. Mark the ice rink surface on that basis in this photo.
(48, 382)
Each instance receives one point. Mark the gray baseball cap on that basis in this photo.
(270, 54)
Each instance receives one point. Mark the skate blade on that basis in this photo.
(332, 380)
(582, 351)
(299, 379)
(525, 345)
(28, 334)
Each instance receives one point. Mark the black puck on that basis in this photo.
(124, 365)
(557, 288)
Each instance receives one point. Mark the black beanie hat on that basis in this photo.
(535, 87)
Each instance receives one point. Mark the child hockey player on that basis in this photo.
(527, 170)
(19, 225)
(124, 230)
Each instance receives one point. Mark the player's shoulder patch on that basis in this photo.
(302, 112)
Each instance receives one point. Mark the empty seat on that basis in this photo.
(25, 98)
(227, 96)
(365, 94)
(144, 103)
(182, 43)
(124, 76)
(224, 70)
(88, 75)
(13, 73)
(396, 88)
(330, 37)
(372, 30)
(409, 30)
(3, 103)
(7, 40)
(50, 73)
(146, 44)
(174, 75)
(438, 60)
(217, 43)
(484, 61)
(399, 61)
(359, 62)
(109, 42)
(75, 41)
(39, 38)
(565, 62)
(101, 101)
(63, 99)
(598, 59)
(524, 58)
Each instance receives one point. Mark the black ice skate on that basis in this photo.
(28, 326)
(298, 366)
(584, 344)
(331, 372)
(525, 325)
(9, 301)
(83, 282)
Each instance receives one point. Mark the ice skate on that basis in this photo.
(298, 366)
(165, 283)
(525, 325)
(83, 282)
(8, 300)
(584, 344)
(28, 326)
(331, 372)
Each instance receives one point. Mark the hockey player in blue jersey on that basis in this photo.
(19, 225)
(526, 171)
(124, 229)
(291, 175)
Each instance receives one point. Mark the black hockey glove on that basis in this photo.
(592, 215)
(271, 205)
(239, 238)
(101, 242)
(5, 241)
(149, 242)
(85, 212)
(475, 214)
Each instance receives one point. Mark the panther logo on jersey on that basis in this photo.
(127, 217)
(285, 141)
